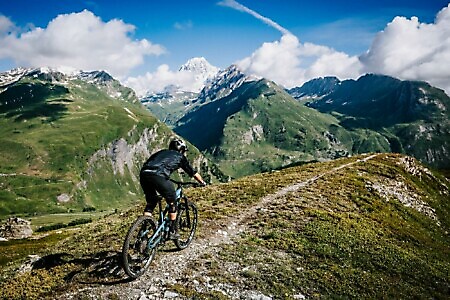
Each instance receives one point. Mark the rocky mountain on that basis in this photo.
(257, 126)
(413, 117)
(362, 227)
(74, 142)
(318, 87)
(223, 84)
(172, 104)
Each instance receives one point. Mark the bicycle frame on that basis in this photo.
(163, 218)
(161, 229)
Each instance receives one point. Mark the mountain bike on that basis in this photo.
(145, 236)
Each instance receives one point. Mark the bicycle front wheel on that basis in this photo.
(136, 255)
(186, 224)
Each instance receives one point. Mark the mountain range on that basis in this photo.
(412, 116)
(172, 103)
(60, 131)
(375, 113)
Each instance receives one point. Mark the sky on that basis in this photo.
(143, 43)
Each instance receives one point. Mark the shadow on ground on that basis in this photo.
(103, 268)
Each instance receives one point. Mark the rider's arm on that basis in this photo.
(190, 171)
(199, 178)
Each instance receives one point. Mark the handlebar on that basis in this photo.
(180, 183)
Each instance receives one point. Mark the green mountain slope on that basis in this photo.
(68, 144)
(259, 127)
(366, 227)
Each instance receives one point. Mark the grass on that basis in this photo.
(17, 250)
(335, 238)
(46, 156)
(346, 242)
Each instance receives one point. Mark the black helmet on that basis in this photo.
(178, 145)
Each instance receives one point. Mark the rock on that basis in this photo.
(143, 296)
(253, 295)
(63, 198)
(170, 295)
(16, 228)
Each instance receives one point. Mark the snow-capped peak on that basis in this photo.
(54, 74)
(202, 69)
(199, 65)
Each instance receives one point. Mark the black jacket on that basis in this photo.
(165, 162)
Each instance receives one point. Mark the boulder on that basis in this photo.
(16, 228)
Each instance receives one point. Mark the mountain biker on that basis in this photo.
(155, 174)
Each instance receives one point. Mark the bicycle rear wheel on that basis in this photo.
(136, 255)
(186, 224)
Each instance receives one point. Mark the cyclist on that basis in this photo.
(155, 174)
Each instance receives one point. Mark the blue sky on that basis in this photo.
(220, 33)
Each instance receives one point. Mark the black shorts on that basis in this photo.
(152, 185)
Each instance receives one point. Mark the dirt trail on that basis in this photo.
(153, 284)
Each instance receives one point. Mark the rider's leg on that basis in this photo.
(172, 216)
(151, 196)
(166, 189)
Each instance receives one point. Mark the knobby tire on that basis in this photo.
(186, 224)
(135, 254)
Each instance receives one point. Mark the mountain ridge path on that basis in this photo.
(167, 267)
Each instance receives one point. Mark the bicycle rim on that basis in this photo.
(186, 224)
(135, 254)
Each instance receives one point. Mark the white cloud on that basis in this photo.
(78, 40)
(291, 63)
(162, 78)
(411, 50)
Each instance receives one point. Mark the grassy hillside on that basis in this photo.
(71, 145)
(48, 137)
(350, 229)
